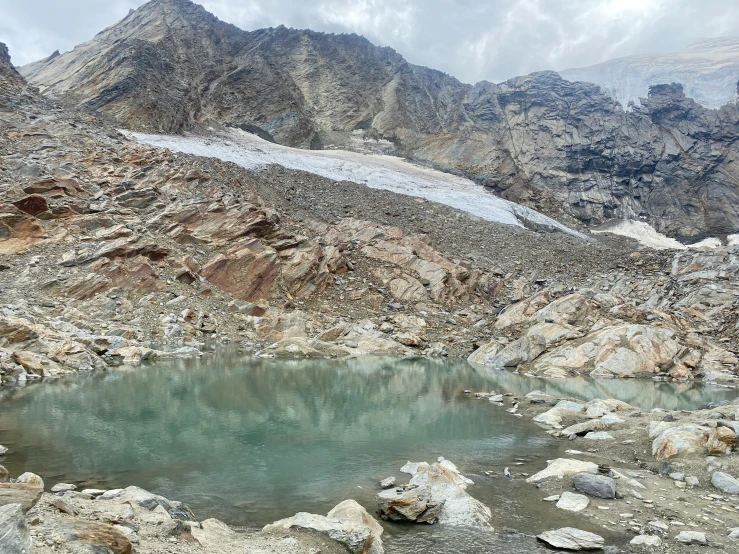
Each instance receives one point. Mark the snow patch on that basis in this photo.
(373, 170)
(648, 236)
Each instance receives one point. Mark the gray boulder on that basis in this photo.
(14, 535)
(595, 485)
(725, 482)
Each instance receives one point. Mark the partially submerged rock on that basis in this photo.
(436, 493)
(569, 538)
(347, 523)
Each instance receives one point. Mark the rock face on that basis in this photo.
(347, 523)
(707, 69)
(14, 535)
(606, 335)
(538, 139)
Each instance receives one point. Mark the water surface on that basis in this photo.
(250, 441)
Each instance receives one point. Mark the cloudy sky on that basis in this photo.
(470, 39)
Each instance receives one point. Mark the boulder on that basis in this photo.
(725, 482)
(572, 502)
(414, 505)
(583, 428)
(721, 441)
(563, 467)
(650, 541)
(347, 523)
(569, 538)
(31, 479)
(63, 487)
(692, 537)
(14, 535)
(79, 535)
(598, 436)
(436, 493)
(25, 494)
(674, 441)
(137, 495)
(599, 486)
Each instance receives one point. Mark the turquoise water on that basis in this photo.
(250, 441)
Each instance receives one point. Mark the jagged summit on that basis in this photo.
(564, 148)
(13, 87)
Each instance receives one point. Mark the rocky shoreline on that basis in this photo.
(652, 481)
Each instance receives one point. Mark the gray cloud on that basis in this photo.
(470, 39)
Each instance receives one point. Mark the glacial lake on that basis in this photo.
(249, 441)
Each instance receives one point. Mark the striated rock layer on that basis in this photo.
(564, 148)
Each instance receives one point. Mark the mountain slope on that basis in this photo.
(708, 69)
(564, 148)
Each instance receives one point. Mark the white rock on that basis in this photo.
(646, 540)
(94, 492)
(598, 436)
(572, 502)
(596, 408)
(563, 467)
(63, 487)
(692, 537)
(348, 523)
(411, 468)
(570, 538)
(611, 419)
(31, 478)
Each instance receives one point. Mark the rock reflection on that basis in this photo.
(251, 440)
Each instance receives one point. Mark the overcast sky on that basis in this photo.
(470, 39)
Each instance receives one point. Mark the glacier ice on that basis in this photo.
(375, 171)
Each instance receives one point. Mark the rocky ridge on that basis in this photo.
(566, 149)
